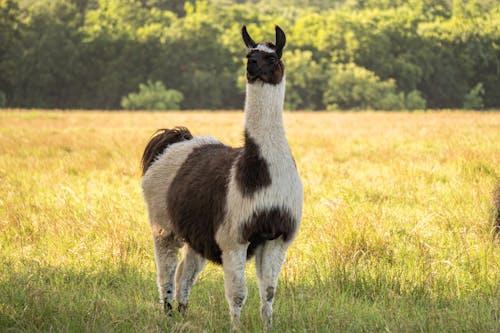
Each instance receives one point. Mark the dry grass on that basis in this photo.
(397, 232)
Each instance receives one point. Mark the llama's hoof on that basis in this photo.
(235, 325)
(182, 308)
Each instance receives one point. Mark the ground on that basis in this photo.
(397, 233)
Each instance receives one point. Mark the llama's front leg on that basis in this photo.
(166, 248)
(269, 258)
(233, 263)
(187, 271)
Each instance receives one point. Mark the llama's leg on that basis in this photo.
(166, 248)
(233, 263)
(187, 271)
(269, 258)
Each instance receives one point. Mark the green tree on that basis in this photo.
(407, 54)
(198, 64)
(176, 6)
(153, 96)
(353, 87)
(10, 47)
(3, 99)
(121, 44)
(304, 80)
(47, 75)
(474, 99)
(415, 101)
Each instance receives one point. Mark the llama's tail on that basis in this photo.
(161, 139)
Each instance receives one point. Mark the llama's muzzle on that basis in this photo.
(253, 69)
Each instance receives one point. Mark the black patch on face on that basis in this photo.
(252, 171)
(264, 66)
(196, 198)
(267, 225)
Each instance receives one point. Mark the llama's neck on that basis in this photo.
(264, 113)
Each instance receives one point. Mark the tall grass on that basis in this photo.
(397, 234)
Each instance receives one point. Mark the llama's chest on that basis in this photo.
(286, 186)
(283, 190)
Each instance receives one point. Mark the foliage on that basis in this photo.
(396, 234)
(304, 77)
(353, 87)
(415, 101)
(153, 96)
(10, 48)
(3, 99)
(474, 99)
(90, 53)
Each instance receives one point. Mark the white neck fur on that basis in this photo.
(264, 114)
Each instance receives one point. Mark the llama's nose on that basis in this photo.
(252, 67)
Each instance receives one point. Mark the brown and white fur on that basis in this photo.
(227, 204)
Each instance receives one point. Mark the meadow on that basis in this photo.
(397, 232)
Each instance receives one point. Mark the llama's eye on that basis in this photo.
(271, 59)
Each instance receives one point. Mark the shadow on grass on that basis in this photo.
(34, 297)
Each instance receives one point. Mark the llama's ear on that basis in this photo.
(280, 41)
(249, 42)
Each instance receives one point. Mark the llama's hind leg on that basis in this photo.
(269, 258)
(166, 248)
(187, 271)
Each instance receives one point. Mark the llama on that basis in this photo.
(227, 204)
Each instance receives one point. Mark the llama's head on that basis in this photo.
(264, 59)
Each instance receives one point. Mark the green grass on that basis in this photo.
(397, 233)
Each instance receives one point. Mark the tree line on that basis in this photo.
(352, 54)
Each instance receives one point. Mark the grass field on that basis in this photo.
(397, 233)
